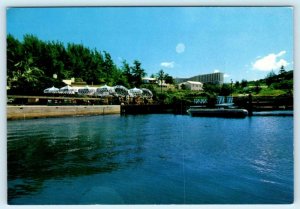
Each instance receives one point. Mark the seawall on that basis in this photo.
(26, 112)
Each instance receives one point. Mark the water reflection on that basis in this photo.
(150, 159)
(64, 151)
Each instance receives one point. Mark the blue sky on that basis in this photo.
(242, 42)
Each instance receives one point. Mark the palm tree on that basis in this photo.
(161, 77)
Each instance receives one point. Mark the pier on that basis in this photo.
(28, 112)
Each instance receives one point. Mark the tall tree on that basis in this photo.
(271, 78)
(138, 73)
(33, 63)
(14, 55)
(168, 79)
(26, 78)
(161, 77)
(110, 70)
(282, 70)
(126, 71)
(244, 83)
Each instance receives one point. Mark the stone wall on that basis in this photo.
(25, 112)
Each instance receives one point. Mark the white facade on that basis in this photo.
(215, 78)
(149, 80)
(192, 85)
(69, 81)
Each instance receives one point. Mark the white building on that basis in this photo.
(192, 85)
(69, 81)
(149, 80)
(215, 78)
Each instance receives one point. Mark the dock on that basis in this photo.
(40, 111)
(213, 112)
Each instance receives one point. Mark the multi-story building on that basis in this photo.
(215, 78)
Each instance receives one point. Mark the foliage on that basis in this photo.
(225, 90)
(257, 87)
(160, 77)
(284, 84)
(271, 92)
(237, 84)
(183, 86)
(244, 83)
(211, 88)
(31, 64)
(137, 73)
(216, 89)
(169, 79)
(282, 70)
(271, 78)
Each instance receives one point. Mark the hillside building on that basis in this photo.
(192, 85)
(214, 78)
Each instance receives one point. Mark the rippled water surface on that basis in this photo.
(150, 159)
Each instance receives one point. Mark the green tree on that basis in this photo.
(128, 77)
(282, 70)
(225, 90)
(26, 78)
(271, 78)
(161, 77)
(183, 86)
(168, 79)
(237, 84)
(257, 87)
(244, 83)
(33, 63)
(137, 73)
(14, 55)
(211, 88)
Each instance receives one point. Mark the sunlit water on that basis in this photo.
(150, 159)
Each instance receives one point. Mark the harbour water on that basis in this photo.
(150, 159)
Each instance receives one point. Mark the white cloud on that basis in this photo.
(216, 71)
(180, 48)
(270, 62)
(226, 75)
(281, 53)
(167, 64)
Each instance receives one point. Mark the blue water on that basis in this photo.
(150, 159)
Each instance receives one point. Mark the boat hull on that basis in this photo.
(227, 113)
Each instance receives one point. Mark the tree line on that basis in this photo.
(32, 64)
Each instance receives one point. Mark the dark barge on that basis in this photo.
(214, 112)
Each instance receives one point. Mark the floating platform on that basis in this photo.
(274, 113)
(227, 113)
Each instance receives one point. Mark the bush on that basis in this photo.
(271, 92)
(285, 84)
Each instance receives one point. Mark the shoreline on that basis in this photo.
(43, 111)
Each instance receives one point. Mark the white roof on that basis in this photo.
(68, 82)
(194, 82)
(150, 79)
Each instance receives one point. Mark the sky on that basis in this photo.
(242, 42)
